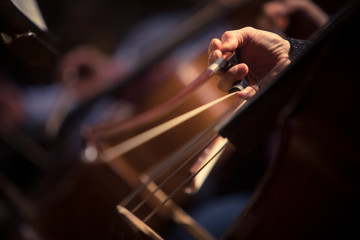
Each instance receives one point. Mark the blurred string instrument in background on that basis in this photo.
(310, 190)
(54, 192)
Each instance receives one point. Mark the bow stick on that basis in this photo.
(161, 109)
(221, 64)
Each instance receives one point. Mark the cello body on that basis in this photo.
(311, 188)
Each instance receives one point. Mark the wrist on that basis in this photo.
(297, 47)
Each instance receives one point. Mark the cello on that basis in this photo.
(311, 188)
(249, 221)
(85, 188)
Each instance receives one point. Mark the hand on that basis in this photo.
(299, 18)
(260, 51)
(86, 70)
(308, 9)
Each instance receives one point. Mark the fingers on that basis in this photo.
(215, 44)
(229, 41)
(214, 51)
(248, 92)
(232, 40)
(234, 74)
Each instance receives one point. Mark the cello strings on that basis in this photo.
(173, 173)
(233, 108)
(154, 211)
(166, 165)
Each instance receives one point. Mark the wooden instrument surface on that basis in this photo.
(309, 191)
